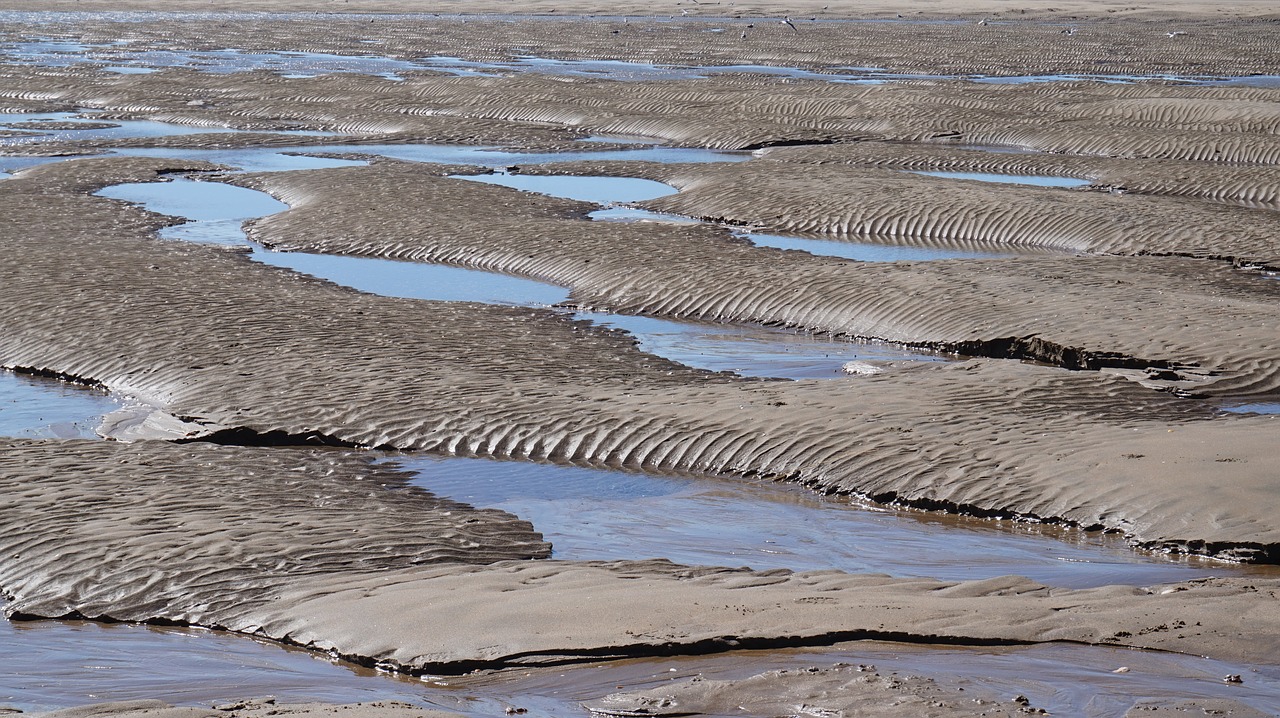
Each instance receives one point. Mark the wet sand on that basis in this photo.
(1111, 424)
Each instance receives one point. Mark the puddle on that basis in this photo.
(415, 280)
(1064, 680)
(633, 214)
(590, 514)
(39, 408)
(218, 210)
(49, 665)
(872, 252)
(254, 159)
(118, 57)
(600, 190)
(1256, 407)
(278, 159)
(1035, 180)
(756, 351)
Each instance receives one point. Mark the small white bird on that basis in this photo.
(787, 21)
(1176, 33)
(982, 22)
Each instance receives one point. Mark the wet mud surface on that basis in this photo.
(1087, 243)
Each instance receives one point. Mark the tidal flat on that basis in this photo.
(572, 359)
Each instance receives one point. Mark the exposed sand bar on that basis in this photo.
(806, 112)
(189, 531)
(854, 198)
(267, 355)
(1059, 310)
(293, 545)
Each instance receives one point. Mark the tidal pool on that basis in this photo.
(600, 190)
(34, 407)
(1035, 180)
(282, 159)
(129, 57)
(1253, 407)
(864, 251)
(601, 514)
(49, 665)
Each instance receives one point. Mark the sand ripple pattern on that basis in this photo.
(185, 532)
(845, 200)
(274, 356)
(1011, 308)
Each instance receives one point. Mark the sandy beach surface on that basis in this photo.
(1092, 340)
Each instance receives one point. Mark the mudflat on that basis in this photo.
(1090, 366)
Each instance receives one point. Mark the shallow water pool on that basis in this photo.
(870, 251)
(40, 408)
(749, 350)
(590, 514)
(600, 190)
(1035, 180)
(61, 128)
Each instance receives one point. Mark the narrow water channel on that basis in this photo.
(599, 514)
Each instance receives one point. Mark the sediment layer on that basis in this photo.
(275, 357)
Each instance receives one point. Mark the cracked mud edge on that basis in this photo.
(137, 419)
(568, 657)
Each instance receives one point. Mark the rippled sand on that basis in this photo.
(1088, 394)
